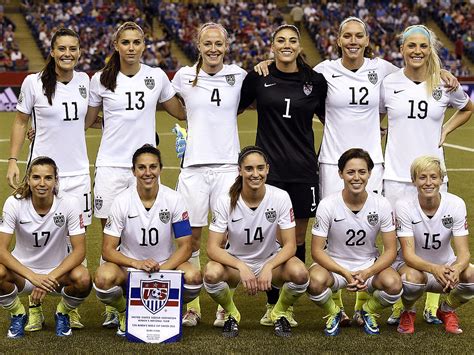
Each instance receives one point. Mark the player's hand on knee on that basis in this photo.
(43, 282)
(37, 295)
(181, 136)
(148, 265)
(265, 279)
(441, 272)
(249, 281)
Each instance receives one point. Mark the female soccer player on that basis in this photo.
(40, 263)
(161, 216)
(251, 216)
(344, 233)
(128, 92)
(211, 92)
(57, 100)
(416, 100)
(287, 100)
(427, 223)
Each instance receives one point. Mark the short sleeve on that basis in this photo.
(321, 67)
(286, 219)
(322, 221)
(75, 220)
(458, 99)
(26, 100)
(9, 216)
(248, 93)
(176, 82)
(167, 91)
(403, 219)
(180, 218)
(382, 108)
(460, 228)
(95, 99)
(115, 221)
(220, 215)
(387, 222)
(387, 67)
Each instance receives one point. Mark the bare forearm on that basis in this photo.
(282, 256)
(221, 256)
(70, 262)
(323, 259)
(181, 255)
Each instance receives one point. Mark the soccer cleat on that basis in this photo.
(345, 320)
(191, 318)
(111, 318)
(357, 318)
(63, 326)
(231, 328)
(35, 319)
(450, 320)
(370, 323)
(282, 328)
(394, 318)
(431, 318)
(290, 317)
(332, 324)
(220, 318)
(407, 322)
(75, 319)
(266, 320)
(17, 326)
(121, 329)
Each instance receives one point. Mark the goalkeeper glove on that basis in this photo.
(181, 136)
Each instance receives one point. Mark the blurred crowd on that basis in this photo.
(11, 58)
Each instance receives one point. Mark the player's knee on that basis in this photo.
(415, 276)
(82, 280)
(317, 282)
(467, 275)
(299, 275)
(213, 273)
(3, 273)
(104, 279)
(392, 283)
(193, 277)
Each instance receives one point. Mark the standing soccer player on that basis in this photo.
(161, 216)
(344, 250)
(128, 93)
(211, 91)
(56, 100)
(415, 101)
(42, 222)
(428, 222)
(287, 100)
(251, 215)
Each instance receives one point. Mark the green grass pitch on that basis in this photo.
(253, 338)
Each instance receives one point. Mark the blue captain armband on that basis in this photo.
(182, 228)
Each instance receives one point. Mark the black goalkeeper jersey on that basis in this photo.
(286, 106)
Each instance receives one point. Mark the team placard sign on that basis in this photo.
(154, 306)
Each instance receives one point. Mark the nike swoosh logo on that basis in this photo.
(416, 222)
(191, 81)
(398, 91)
(336, 76)
(338, 220)
(132, 216)
(25, 222)
(313, 209)
(236, 220)
(268, 85)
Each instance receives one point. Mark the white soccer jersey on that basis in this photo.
(59, 128)
(211, 108)
(414, 122)
(129, 113)
(432, 235)
(41, 242)
(252, 235)
(352, 117)
(148, 234)
(352, 236)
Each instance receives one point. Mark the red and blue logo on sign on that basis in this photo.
(154, 295)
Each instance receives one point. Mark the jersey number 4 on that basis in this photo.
(215, 97)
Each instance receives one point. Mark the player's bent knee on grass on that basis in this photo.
(109, 275)
(388, 280)
(80, 279)
(319, 280)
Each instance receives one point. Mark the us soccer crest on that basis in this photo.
(82, 91)
(307, 89)
(447, 222)
(59, 220)
(165, 216)
(373, 218)
(230, 79)
(108, 224)
(150, 83)
(20, 97)
(316, 223)
(98, 202)
(154, 294)
(271, 215)
(373, 77)
(437, 94)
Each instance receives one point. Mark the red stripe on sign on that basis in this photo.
(136, 303)
(172, 304)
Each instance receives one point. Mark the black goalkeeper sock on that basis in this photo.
(301, 252)
(272, 295)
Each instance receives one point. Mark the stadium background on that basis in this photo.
(171, 28)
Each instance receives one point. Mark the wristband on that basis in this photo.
(15, 159)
